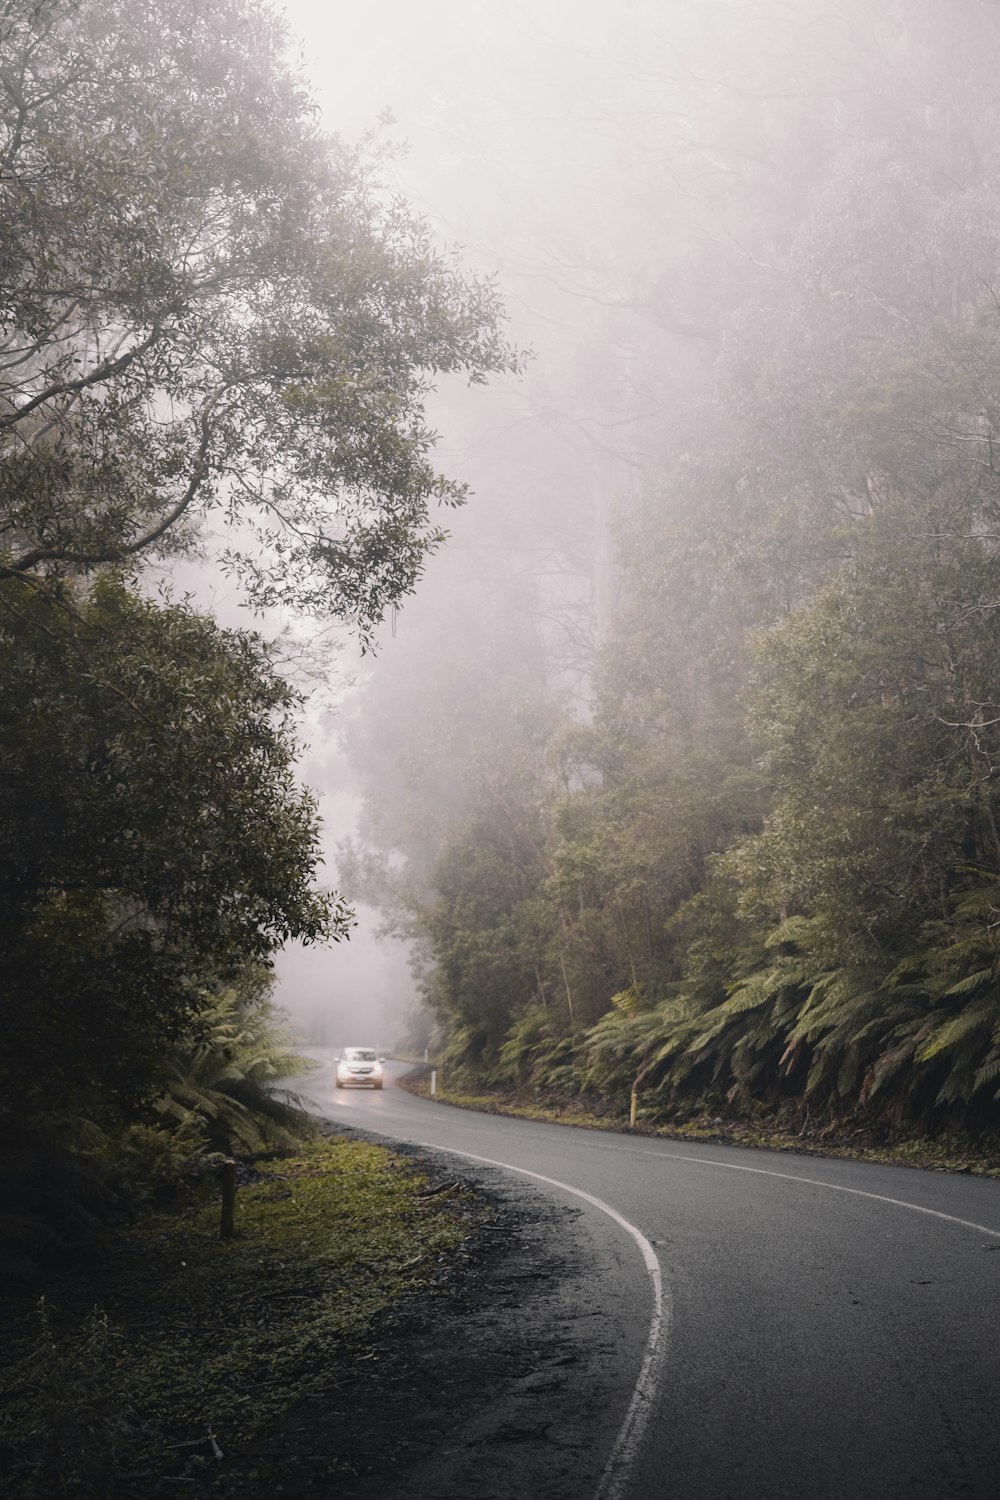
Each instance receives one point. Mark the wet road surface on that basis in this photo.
(808, 1327)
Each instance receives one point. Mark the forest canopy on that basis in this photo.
(211, 307)
(759, 870)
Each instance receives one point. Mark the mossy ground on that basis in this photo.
(171, 1346)
(849, 1140)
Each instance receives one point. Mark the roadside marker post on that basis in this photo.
(434, 1083)
(632, 1109)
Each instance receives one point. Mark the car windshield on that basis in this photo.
(359, 1054)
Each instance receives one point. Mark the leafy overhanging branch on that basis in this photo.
(240, 252)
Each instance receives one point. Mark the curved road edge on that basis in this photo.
(614, 1480)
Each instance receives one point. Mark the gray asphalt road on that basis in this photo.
(826, 1328)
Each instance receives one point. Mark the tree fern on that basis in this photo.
(977, 1019)
(225, 1078)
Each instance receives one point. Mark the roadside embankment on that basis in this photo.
(850, 1140)
(168, 1358)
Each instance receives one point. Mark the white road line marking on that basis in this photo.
(832, 1187)
(614, 1480)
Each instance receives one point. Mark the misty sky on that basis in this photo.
(526, 131)
(429, 64)
(569, 148)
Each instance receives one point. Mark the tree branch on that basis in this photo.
(104, 371)
(130, 549)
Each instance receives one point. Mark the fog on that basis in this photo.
(502, 123)
(500, 129)
(632, 175)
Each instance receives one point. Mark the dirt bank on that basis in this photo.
(489, 1385)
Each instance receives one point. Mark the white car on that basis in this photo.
(359, 1067)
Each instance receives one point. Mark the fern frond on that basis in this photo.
(973, 1019)
(970, 983)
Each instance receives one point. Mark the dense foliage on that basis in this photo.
(209, 306)
(764, 872)
(155, 834)
(208, 309)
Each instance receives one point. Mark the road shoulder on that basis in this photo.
(505, 1380)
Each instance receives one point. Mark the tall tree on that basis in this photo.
(154, 836)
(208, 305)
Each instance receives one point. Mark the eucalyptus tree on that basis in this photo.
(210, 307)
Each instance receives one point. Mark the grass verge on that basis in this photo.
(164, 1364)
(848, 1141)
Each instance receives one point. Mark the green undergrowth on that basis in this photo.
(847, 1140)
(160, 1365)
